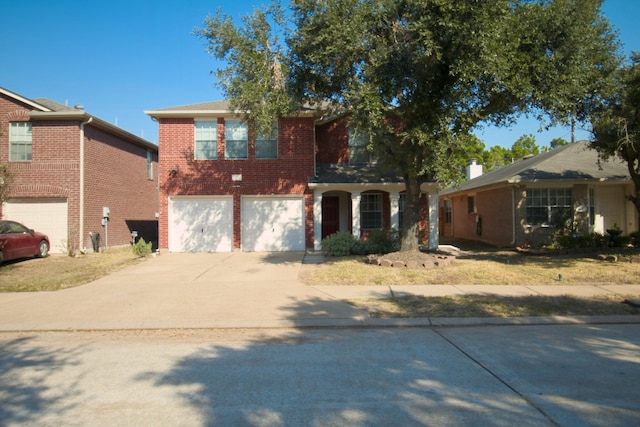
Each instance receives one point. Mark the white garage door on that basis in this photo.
(273, 224)
(200, 224)
(49, 216)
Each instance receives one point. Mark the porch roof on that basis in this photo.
(355, 174)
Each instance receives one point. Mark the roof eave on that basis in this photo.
(188, 114)
(83, 116)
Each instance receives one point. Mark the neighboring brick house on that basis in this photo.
(67, 166)
(223, 190)
(526, 201)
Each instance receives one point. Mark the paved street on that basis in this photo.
(567, 375)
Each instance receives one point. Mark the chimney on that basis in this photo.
(474, 170)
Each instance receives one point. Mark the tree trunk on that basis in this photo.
(410, 232)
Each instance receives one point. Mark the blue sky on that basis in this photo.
(119, 58)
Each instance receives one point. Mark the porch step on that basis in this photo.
(313, 257)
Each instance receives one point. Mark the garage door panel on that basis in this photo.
(273, 224)
(200, 225)
(48, 216)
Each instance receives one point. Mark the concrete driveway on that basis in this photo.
(184, 290)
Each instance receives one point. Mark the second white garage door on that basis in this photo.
(273, 224)
(200, 224)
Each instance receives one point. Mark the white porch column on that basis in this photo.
(434, 239)
(317, 220)
(394, 197)
(355, 214)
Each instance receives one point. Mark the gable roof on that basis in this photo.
(571, 162)
(46, 109)
(207, 109)
(27, 101)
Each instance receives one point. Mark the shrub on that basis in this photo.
(382, 242)
(378, 242)
(635, 238)
(338, 244)
(142, 248)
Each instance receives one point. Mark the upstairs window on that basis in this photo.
(549, 206)
(267, 147)
(206, 140)
(358, 147)
(149, 165)
(236, 141)
(371, 211)
(20, 142)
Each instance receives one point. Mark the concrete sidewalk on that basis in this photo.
(241, 290)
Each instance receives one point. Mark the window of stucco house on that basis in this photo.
(549, 206)
(267, 147)
(236, 140)
(20, 141)
(371, 211)
(206, 140)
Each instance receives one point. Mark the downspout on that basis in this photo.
(81, 225)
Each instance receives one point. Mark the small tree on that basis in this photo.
(5, 181)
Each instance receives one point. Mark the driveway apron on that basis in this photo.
(183, 290)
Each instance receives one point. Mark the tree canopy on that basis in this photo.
(616, 125)
(419, 75)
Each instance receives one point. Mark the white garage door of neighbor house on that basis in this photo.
(46, 216)
(272, 224)
(200, 224)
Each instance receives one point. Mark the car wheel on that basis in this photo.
(0, 257)
(43, 249)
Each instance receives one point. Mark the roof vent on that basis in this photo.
(79, 107)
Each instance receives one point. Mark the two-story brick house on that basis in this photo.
(223, 189)
(67, 165)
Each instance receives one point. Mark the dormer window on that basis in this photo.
(359, 147)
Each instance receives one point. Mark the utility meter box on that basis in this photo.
(106, 212)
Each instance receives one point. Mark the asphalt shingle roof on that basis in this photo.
(576, 162)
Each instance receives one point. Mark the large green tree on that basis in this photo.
(616, 126)
(417, 75)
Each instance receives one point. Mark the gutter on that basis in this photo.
(81, 225)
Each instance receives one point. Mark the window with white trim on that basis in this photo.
(549, 206)
(206, 140)
(149, 165)
(267, 147)
(20, 141)
(371, 211)
(236, 140)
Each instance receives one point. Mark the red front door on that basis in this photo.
(330, 215)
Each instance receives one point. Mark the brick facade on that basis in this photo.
(286, 175)
(115, 172)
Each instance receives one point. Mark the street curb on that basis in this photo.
(422, 322)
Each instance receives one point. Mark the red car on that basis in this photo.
(18, 241)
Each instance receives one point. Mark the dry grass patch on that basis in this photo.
(494, 269)
(59, 271)
(494, 306)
